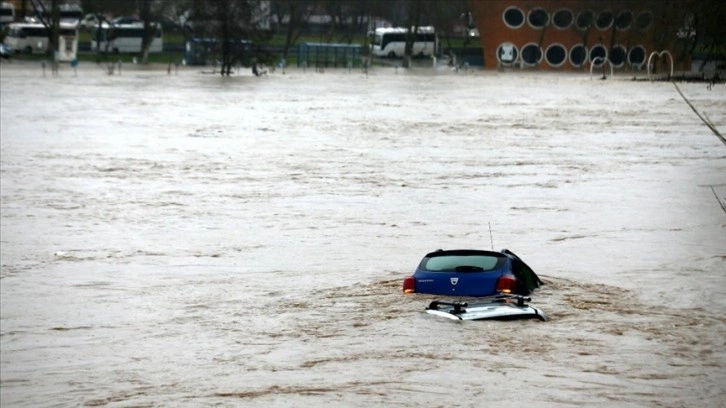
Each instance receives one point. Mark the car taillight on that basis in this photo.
(409, 285)
(506, 284)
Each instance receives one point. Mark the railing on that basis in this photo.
(604, 61)
(660, 54)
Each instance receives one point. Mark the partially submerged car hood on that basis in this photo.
(498, 308)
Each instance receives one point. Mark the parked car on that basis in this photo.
(126, 20)
(471, 272)
(88, 22)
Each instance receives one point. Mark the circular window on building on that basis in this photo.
(604, 20)
(538, 17)
(507, 53)
(578, 55)
(617, 56)
(556, 55)
(636, 55)
(644, 20)
(624, 20)
(513, 17)
(584, 20)
(531, 54)
(598, 55)
(562, 19)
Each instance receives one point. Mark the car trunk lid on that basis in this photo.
(459, 283)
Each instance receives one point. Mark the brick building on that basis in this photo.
(577, 34)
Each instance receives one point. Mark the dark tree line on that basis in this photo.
(707, 24)
(234, 24)
(231, 21)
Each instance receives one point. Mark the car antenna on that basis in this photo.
(491, 237)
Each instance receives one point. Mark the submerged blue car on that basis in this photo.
(470, 272)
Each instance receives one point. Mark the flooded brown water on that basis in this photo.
(190, 240)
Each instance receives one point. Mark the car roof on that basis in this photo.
(464, 252)
(507, 307)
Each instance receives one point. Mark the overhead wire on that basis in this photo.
(703, 118)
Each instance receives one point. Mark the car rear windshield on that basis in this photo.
(462, 263)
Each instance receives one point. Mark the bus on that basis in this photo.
(7, 13)
(391, 42)
(68, 13)
(33, 38)
(125, 38)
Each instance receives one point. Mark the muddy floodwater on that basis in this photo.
(189, 240)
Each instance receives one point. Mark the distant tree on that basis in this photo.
(389, 10)
(377, 11)
(349, 18)
(50, 18)
(415, 10)
(336, 11)
(230, 22)
(23, 9)
(175, 11)
(111, 7)
(447, 16)
(669, 18)
(149, 28)
(150, 16)
(709, 30)
(153, 13)
(292, 17)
